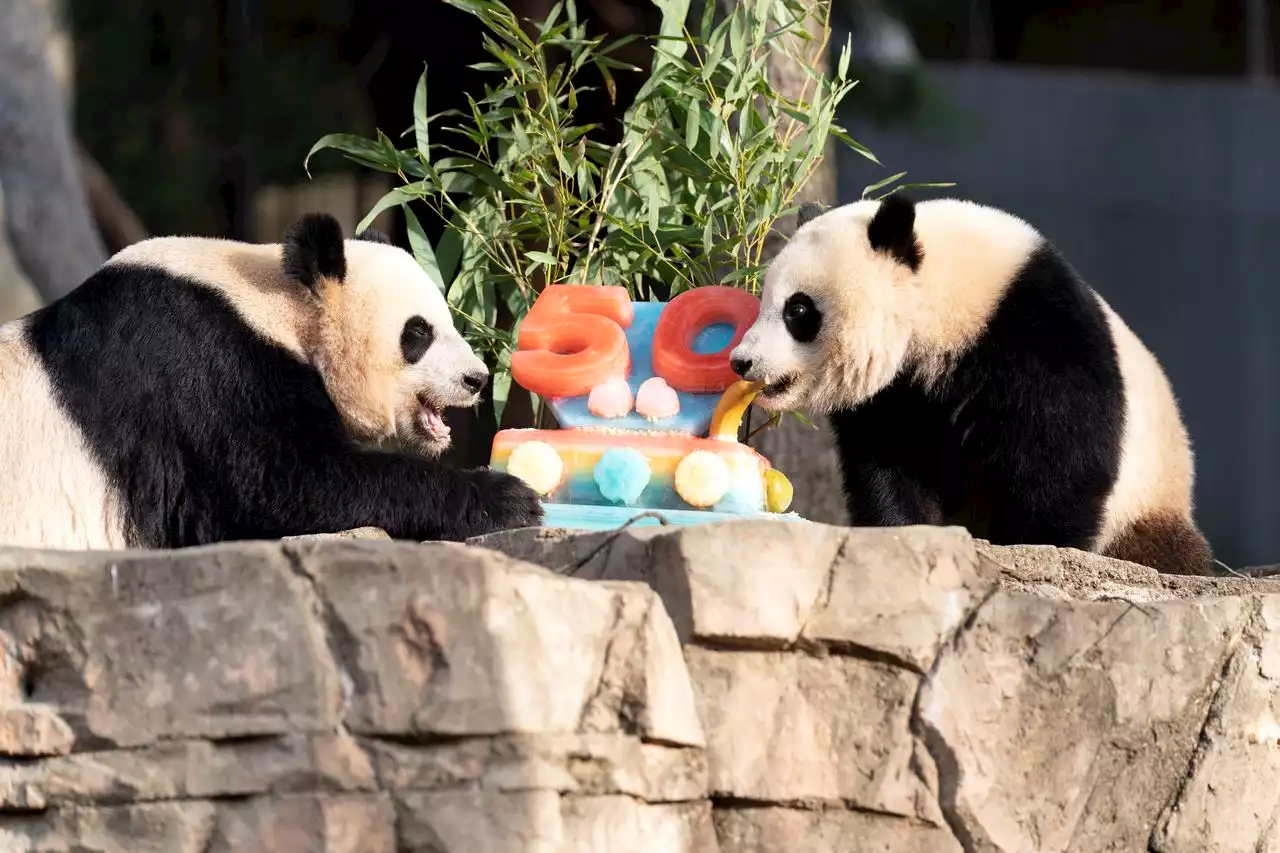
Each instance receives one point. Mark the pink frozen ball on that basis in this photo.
(657, 400)
(610, 399)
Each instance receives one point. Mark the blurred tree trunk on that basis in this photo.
(801, 452)
(47, 217)
(115, 220)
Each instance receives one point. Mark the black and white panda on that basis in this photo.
(197, 390)
(973, 378)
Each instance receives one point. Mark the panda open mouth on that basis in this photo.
(432, 421)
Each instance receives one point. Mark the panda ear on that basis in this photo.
(313, 249)
(373, 235)
(892, 230)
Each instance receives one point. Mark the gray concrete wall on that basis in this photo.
(1164, 195)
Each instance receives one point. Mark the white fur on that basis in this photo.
(1157, 472)
(53, 493)
(879, 320)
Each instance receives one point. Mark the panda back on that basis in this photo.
(1155, 475)
(248, 275)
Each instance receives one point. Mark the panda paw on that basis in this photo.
(505, 502)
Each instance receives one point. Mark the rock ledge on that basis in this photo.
(744, 687)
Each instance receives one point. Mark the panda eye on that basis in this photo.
(416, 339)
(801, 317)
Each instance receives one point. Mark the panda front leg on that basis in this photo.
(1047, 478)
(886, 449)
(407, 496)
(878, 495)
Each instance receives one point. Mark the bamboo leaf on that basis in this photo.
(366, 152)
(842, 68)
(878, 185)
(541, 258)
(397, 196)
(449, 253)
(421, 248)
(420, 117)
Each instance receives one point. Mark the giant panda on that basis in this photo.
(971, 377)
(197, 390)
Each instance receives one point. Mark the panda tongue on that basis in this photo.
(433, 422)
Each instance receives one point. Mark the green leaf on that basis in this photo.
(693, 118)
(501, 390)
(542, 258)
(397, 196)
(421, 248)
(366, 152)
(870, 188)
(802, 419)
(903, 187)
(842, 68)
(839, 133)
(420, 117)
(653, 201)
(674, 14)
(449, 253)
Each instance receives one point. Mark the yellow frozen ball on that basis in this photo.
(538, 464)
(702, 478)
(777, 491)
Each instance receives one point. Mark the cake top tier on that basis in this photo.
(580, 339)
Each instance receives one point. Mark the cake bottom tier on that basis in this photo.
(595, 517)
(572, 464)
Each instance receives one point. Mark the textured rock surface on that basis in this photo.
(737, 688)
(912, 689)
(340, 694)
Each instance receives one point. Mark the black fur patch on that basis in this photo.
(808, 213)
(207, 432)
(892, 230)
(373, 235)
(313, 250)
(801, 317)
(415, 339)
(1021, 444)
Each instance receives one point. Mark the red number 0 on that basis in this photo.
(686, 315)
(572, 340)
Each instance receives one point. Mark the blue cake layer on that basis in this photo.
(584, 517)
(695, 412)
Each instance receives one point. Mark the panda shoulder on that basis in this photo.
(250, 277)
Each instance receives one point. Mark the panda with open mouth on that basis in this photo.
(198, 390)
(973, 378)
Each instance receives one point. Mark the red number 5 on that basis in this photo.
(686, 315)
(572, 340)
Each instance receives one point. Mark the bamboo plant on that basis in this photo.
(711, 158)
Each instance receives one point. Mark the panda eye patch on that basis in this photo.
(416, 339)
(801, 317)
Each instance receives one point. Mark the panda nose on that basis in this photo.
(740, 365)
(474, 381)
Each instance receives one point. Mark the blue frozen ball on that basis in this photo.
(621, 474)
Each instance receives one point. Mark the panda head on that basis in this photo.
(838, 308)
(384, 341)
